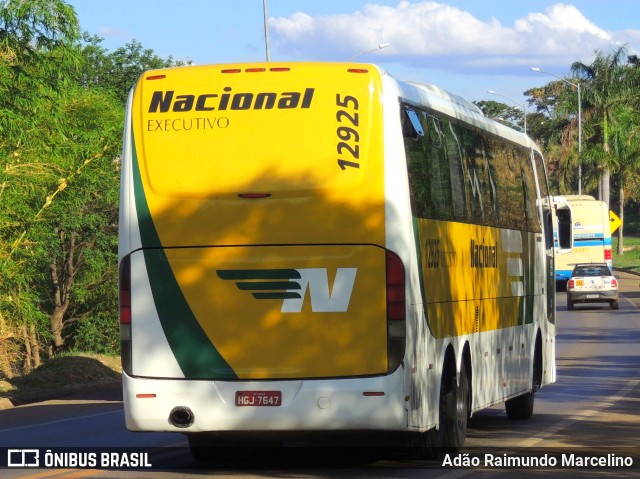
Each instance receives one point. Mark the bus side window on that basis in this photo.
(530, 206)
(479, 161)
(453, 151)
(509, 186)
(564, 228)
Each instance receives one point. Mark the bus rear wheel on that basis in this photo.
(454, 398)
(454, 410)
(521, 407)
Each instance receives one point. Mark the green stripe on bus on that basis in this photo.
(196, 355)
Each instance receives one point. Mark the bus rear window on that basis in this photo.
(212, 135)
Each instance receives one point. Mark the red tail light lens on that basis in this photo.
(614, 282)
(570, 284)
(396, 312)
(396, 304)
(125, 290)
(607, 253)
(125, 314)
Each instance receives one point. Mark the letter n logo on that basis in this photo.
(323, 300)
(291, 285)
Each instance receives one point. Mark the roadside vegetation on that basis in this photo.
(62, 102)
(63, 375)
(630, 260)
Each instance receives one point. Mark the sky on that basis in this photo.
(464, 46)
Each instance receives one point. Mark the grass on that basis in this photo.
(630, 260)
(62, 375)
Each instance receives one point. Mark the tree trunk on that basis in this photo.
(56, 323)
(605, 174)
(36, 359)
(7, 348)
(27, 365)
(606, 196)
(62, 279)
(620, 229)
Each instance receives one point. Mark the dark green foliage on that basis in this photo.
(61, 117)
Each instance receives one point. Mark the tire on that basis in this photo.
(520, 408)
(614, 304)
(569, 305)
(456, 401)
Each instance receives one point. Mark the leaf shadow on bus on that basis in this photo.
(271, 280)
(286, 282)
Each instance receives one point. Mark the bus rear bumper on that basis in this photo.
(375, 403)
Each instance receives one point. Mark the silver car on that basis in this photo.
(592, 283)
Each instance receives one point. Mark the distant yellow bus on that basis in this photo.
(583, 234)
(320, 248)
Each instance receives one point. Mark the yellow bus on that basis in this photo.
(311, 248)
(583, 234)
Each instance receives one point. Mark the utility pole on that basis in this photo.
(266, 28)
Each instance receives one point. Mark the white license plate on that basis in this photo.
(258, 398)
(593, 296)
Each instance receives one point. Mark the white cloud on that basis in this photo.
(108, 32)
(424, 33)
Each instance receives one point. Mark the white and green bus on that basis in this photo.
(310, 248)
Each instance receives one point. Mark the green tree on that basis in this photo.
(507, 115)
(58, 188)
(36, 56)
(119, 70)
(553, 115)
(606, 86)
(625, 158)
(61, 115)
(63, 239)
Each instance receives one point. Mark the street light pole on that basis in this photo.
(379, 47)
(577, 86)
(524, 106)
(266, 27)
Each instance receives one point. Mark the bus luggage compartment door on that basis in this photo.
(260, 312)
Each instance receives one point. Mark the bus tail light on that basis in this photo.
(396, 311)
(125, 313)
(125, 291)
(607, 254)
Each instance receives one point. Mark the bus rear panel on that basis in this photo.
(254, 269)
